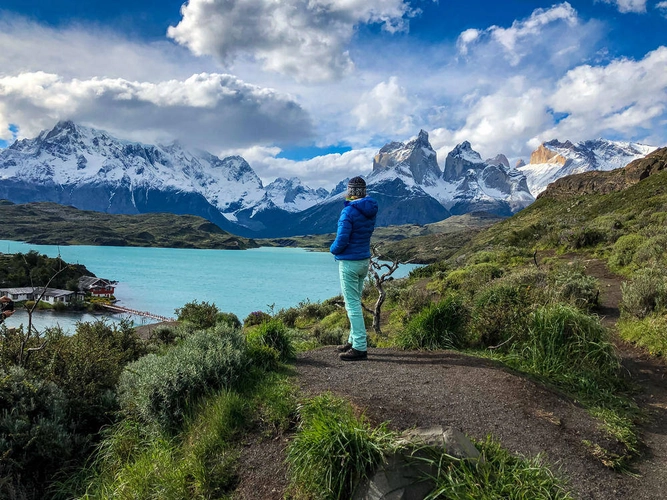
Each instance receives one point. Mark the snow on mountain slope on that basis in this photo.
(554, 159)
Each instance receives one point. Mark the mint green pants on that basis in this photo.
(352, 274)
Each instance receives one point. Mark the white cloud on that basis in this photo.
(78, 52)
(623, 97)
(322, 171)
(544, 28)
(385, 110)
(206, 110)
(625, 6)
(306, 39)
(662, 7)
(498, 122)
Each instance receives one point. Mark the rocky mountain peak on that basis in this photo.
(544, 154)
(520, 163)
(416, 159)
(459, 160)
(499, 159)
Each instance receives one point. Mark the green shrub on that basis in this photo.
(430, 270)
(256, 318)
(288, 316)
(87, 366)
(568, 345)
(330, 335)
(499, 313)
(315, 310)
(647, 292)
(651, 252)
(199, 315)
(263, 357)
(35, 439)
(649, 333)
(439, 326)
(582, 237)
(572, 285)
(624, 250)
(229, 319)
(159, 389)
(333, 449)
(274, 334)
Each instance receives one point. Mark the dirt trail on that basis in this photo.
(480, 397)
(650, 374)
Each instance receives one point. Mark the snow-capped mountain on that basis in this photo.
(292, 195)
(466, 184)
(90, 169)
(553, 160)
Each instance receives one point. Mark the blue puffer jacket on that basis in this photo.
(355, 227)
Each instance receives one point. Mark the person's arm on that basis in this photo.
(342, 235)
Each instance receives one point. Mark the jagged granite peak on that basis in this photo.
(519, 163)
(499, 159)
(416, 159)
(554, 159)
(341, 187)
(461, 159)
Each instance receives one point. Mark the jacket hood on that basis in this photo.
(367, 206)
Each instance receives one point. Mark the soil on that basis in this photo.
(480, 397)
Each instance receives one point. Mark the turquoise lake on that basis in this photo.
(160, 280)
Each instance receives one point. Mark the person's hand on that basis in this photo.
(7, 314)
(4, 298)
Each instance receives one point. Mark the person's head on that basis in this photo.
(356, 188)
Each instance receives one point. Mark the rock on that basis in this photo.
(405, 475)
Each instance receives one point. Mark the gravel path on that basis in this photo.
(481, 397)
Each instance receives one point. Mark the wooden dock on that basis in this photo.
(127, 310)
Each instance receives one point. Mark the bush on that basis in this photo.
(199, 315)
(583, 237)
(256, 318)
(568, 345)
(159, 389)
(439, 326)
(35, 439)
(624, 250)
(288, 316)
(263, 357)
(573, 286)
(329, 335)
(87, 366)
(228, 319)
(499, 313)
(647, 292)
(333, 449)
(274, 334)
(651, 252)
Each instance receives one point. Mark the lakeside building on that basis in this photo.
(97, 287)
(51, 295)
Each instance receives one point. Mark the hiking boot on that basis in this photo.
(345, 347)
(353, 355)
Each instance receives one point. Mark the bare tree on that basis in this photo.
(376, 266)
(32, 334)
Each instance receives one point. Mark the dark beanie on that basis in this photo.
(356, 187)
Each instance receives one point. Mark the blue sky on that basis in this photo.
(313, 89)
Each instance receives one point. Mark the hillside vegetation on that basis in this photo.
(53, 224)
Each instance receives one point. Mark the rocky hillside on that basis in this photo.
(608, 182)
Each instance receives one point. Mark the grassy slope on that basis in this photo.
(53, 224)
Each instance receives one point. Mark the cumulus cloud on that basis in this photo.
(322, 171)
(305, 39)
(206, 110)
(86, 52)
(623, 96)
(385, 109)
(662, 7)
(625, 6)
(544, 28)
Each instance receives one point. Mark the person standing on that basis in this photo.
(352, 250)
